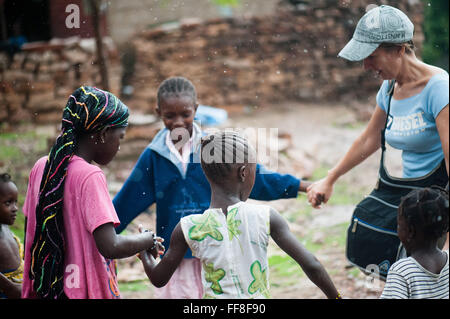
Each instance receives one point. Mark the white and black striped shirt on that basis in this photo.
(407, 279)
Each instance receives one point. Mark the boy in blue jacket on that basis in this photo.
(169, 173)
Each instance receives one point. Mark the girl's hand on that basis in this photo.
(158, 248)
(319, 192)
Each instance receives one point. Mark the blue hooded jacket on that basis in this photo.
(158, 178)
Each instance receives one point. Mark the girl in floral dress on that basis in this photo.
(231, 237)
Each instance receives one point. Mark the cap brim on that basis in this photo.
(357, 51)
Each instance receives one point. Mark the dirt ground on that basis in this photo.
(319, 135)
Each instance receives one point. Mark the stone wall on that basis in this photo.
(36, 83)
(234, 62)
(127, 17)
(288, 55)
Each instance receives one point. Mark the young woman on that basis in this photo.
(418, 122)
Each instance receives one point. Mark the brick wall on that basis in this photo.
(58, 17)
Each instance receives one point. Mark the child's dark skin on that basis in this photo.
(236, 188)
(9, 250)
(423, 249)
(101, 148)
(178, 112)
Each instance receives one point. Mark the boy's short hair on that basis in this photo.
(222, 150)
(5, 178)
(427, 209)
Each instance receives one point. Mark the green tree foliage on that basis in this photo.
(436, 26)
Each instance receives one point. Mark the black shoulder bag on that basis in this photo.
(372, 241)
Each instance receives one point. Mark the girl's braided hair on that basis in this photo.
(88, 110)
(427, 209)
(222, 150)
(176, 86)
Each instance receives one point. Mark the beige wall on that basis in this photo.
(126, 17)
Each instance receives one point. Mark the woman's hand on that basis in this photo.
(319, 192)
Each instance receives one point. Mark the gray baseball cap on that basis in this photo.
(383, 24)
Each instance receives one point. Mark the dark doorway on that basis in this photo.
(28, 18)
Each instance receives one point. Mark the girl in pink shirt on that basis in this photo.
(70, 239)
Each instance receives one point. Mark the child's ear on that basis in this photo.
(196, 107)
(242, 171)
(158, 110)
(411, 232)
(102, 134)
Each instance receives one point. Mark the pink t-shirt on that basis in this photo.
(87, 205)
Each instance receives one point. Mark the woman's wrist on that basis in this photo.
(332, 177)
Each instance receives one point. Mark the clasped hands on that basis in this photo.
(319, 192)
(157, 249)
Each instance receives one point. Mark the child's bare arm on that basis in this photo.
(10, 289)
(283, 237)
(160, 273)
(304, 185)
(113, 246)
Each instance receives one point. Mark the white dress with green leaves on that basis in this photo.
(232, 250)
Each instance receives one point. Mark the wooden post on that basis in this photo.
(3, 34)
(95, 6)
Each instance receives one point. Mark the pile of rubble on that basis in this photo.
(289, 55)
(36, 82)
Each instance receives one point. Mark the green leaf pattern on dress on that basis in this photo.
(214, 276)
(205, 225)
(260, 280)
(233, 224)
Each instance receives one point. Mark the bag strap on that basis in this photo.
(383, 131)
(437, 177)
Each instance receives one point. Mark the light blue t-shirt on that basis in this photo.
(412, 125)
